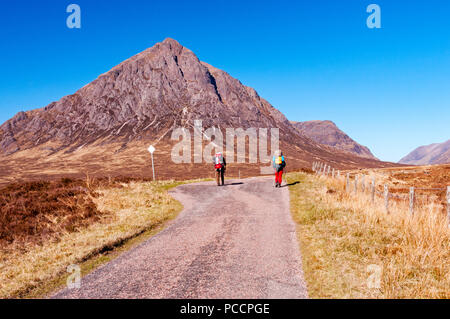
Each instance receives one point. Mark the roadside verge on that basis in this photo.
(352, 249)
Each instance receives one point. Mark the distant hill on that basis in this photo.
(326, 132)
(438, 153)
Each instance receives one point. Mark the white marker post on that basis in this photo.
(151, 149)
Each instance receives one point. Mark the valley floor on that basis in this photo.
(239, 239)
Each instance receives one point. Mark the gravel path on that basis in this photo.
(235, 241)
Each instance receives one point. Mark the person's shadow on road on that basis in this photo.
(233, 184)
(291, 184)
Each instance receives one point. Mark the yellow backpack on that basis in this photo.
(279, 160)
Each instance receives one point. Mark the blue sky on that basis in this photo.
(387, 88)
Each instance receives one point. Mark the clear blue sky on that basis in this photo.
(387, 88)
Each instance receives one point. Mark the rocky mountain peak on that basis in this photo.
(162, 87)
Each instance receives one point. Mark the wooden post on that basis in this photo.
(386, 198)
(448, 203)
(239, 174)
(339, 174)
(347, 184)
(363, 183)
(329, 169)
(411, 201)
(356, 184)
(333, 173)
(373, 189)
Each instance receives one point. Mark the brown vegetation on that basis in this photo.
(33, 212)
(430, 182)
(72, 221)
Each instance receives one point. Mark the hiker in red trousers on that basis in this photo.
(279, 164)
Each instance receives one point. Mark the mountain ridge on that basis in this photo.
(328, 133)
(436, 153)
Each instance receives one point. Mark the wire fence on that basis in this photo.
(358, 184)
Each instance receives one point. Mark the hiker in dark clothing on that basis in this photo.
(220, 167)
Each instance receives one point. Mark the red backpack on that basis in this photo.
(218, 161)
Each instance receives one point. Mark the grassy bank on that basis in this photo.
(123, 211)
(348, 244)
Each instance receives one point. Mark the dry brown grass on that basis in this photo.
(132, 207)
(35, 212)
(343, 237)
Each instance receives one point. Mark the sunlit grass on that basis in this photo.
(342, 235)
(133, 208)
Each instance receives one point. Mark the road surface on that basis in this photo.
(235, 241)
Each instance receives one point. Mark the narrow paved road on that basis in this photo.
(236, 241)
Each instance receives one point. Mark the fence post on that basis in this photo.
(411, 201)
(339, 174)
(363, 183)
(333, 173)
(347, 185)
(329, 169)
(356, 184)
(448, 203)
(386, 198)
(373, 189)
(324, 169)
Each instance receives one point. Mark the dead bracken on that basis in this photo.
(33, 212)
